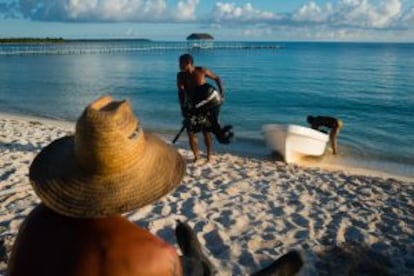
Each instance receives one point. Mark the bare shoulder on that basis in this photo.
(145, 253)
(105, 246)
(201, 69)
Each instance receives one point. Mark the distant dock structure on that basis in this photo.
(195, 42)
(204, 41)
(200, 41)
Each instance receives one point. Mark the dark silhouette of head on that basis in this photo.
(186, 58)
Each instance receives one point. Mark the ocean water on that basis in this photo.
(370, 86)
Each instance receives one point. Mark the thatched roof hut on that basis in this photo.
(200, 36)
(200, 41)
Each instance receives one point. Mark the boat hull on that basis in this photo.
(293, 142)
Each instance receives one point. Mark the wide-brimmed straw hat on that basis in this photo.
(109, 166)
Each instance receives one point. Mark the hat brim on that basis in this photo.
(69, 190)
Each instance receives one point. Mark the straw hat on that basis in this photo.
(108, 167)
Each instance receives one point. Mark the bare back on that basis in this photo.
(51, 244)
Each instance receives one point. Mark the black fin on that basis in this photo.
(288, 264)
(224, 135)
(191, 247)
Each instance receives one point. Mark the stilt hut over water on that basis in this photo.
(200, 41)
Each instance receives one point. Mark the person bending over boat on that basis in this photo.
(333, 124)
(200, 104)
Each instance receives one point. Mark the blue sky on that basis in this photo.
(267, 20)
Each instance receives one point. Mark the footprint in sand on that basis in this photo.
(187, 208)
(215, 245)
(299, 220)
(246, 259)
(353, 234)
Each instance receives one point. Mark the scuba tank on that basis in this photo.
(205, 98)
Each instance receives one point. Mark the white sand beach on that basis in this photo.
(245, 211)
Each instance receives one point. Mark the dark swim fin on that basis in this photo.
(224, 135)
(191, 248)
(288, 264)
(227, 128)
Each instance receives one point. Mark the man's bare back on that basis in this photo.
(103, 246)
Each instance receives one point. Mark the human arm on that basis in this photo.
(209, 74)
(181, 92)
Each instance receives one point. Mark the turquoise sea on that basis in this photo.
(370, 86)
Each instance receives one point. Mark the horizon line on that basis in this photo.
(62, 39)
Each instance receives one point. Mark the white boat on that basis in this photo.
(293, 141)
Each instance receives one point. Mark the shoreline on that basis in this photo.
(327, 162)
(359, 171)
(45, 120)
(245, 211)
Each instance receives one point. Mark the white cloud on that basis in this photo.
(408, 18)
(186, 10)
(352, 13)
(103, 10)
(375, 14)
(257, 32)
(341, 19)
(229, 12)
(115, 10)
(76, 8)
(312, 12)
(335, 18)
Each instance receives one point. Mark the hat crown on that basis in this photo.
(107, 134)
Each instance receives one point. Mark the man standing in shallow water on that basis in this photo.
(190, 80)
